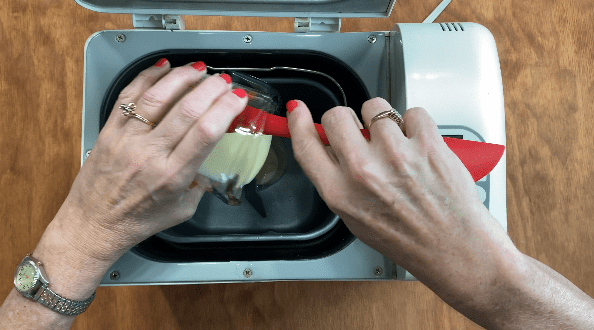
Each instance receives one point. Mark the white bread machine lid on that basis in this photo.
(268, 8)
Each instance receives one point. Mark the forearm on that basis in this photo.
(72, 275)
(547, 300)
(535, 297)
(502, 288)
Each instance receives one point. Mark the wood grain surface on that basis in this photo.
(546, 49)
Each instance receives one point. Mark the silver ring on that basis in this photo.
(128, 111)
(392, 114)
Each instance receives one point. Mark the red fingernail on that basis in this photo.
(240, 92)
(161, 62)
(226, 77)
(200, 66)
(291, 105)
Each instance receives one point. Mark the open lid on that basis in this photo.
(269, 8)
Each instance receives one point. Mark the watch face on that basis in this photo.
(26, 277)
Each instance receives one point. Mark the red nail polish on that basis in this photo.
(161, 62)
(291, 105)
(200, 66)
(240, 92)
(226, 77)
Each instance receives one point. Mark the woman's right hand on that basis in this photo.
(407, 196)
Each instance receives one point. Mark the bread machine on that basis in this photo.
(450, 69)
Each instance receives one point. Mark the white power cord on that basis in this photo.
(437, 11)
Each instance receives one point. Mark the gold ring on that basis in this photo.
(128, 111)
(392, 114)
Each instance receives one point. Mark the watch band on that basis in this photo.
(62, 305)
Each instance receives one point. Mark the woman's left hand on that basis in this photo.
(139, 180)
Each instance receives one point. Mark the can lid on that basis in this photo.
(262, 8)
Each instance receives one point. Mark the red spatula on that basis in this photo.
(479, 158)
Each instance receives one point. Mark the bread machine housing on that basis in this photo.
(450, 69)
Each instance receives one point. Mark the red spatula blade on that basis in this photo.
(480, 158)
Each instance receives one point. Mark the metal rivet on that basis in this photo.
(120, 38)
(372, 39)
(247, 272)
(114, 275)
(247, 39)
(378, 271)
(88, 153)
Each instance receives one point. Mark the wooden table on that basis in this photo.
(546, 49)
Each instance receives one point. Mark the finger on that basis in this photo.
(308, 149)
(420, 125)
(344, 136)
(331, 154)
(132, 92)
(384, 129)
(192, 86)
(188, 110)
(357, 121)
(155, 102)
(201, 139)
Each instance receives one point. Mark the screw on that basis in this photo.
(120, 38)
(88, 153)
(378, 271)
(114, 275)
(372, 39)
(247, 39)
(247, 273)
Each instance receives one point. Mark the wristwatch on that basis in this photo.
(30, 280)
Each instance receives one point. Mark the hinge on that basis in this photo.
(317, 24)
(158, 22)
